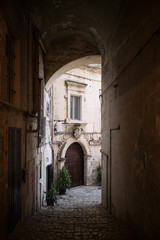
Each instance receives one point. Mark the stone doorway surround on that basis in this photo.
(87, 157)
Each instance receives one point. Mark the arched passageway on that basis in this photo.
(79, 80)
(39, 37)
(83, 61)
(75, 163)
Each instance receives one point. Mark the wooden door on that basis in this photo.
(75, 164)
(49, 176)
(14, 178)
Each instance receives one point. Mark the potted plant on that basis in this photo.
(51, 196)
(64, 180)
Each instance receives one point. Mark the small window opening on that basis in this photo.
(75, 107)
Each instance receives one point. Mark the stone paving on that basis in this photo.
(78, 215)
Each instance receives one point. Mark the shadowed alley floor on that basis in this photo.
(79, 215)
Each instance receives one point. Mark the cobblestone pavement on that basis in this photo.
(78, 215)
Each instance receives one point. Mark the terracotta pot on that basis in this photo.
(50, 202)
(62, 191)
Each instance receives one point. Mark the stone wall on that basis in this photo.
(131, 100)
(17, 114)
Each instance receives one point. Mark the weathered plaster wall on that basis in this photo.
(134, 105)
(46, 149)
(3, 173)
(90, 119)
(3, 60)
(14, 19)
(10, 117)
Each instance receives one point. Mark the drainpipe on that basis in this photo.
(110, 197)
(106, 155)
(52, 95)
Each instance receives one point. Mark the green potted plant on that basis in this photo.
(51, 196)
(64, 180)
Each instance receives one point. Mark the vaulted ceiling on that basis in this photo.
(71, 29)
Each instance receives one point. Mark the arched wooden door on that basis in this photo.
(75, 163)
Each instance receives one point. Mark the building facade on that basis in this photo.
(75, 117)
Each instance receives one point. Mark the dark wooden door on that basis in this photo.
(14, 178)
(75, 164)
(49, 176)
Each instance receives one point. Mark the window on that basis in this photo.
(75, 107)
(75, 100)
(42, 130)
(49, 176)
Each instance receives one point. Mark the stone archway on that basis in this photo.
(75, 163)
(86, 157)
(93, 59)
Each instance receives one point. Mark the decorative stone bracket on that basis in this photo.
(77, 131)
